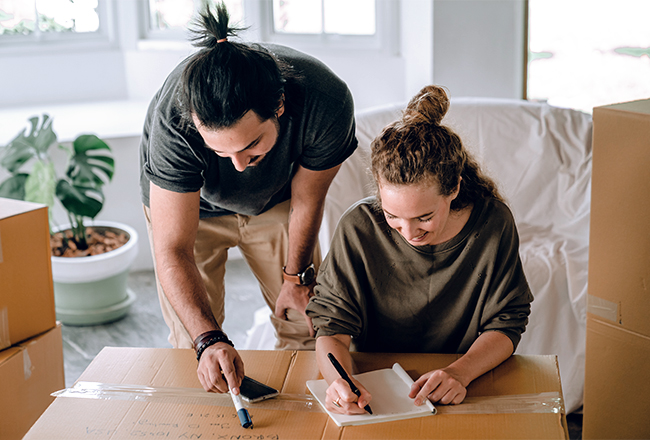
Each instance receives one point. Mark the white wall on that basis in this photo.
(474, 47)
(479, 47)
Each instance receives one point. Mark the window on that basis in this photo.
(336, 24)
(47, 21)
(342, 17)
(169, 18)
(587, 53)
(299, 23)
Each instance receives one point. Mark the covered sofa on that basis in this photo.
(540, 157)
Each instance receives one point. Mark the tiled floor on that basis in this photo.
(144, 325)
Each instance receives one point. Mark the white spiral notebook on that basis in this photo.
(390, 401)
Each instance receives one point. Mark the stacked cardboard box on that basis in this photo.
(29, 373)
(26, 293)
(155, 393)
(617, 370)
(31, 354)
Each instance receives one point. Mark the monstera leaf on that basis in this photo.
(40, 185)
(91, 164)
(33, 177)
(14, 187)
(81, 201)
(27, 145)
(33, 145)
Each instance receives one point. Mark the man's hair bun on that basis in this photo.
(208, 30)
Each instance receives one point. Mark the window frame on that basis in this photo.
(146, 31)
(104, 38)
(385, 40)
(258, 18)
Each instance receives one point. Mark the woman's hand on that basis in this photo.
(341, 399)
(449, 385)
(438, 386)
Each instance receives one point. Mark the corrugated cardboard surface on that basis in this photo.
(29, 373)
(78, 418)
(519, 375)
(619, 243)
(26, 292)
(617, 363)
(617, 386)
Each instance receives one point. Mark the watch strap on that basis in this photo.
(294, 278)
(299, 278)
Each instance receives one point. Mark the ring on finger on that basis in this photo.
(336, 403)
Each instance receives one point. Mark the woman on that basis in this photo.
(429, 265)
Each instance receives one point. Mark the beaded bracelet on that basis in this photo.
(204, 340)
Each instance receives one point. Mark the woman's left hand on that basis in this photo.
(438, 386)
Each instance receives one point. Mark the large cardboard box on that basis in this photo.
(29, 373)
(617, 372)
(26, 291)
(154, 393)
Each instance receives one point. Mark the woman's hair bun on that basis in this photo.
(429, 105)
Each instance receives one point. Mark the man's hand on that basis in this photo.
(293, 296)
(220, 368)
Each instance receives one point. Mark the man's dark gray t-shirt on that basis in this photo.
(317, 132)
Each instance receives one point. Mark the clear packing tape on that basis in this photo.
(190, 396)
(5, 340)
(550, 402)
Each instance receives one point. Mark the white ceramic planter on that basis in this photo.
(93, 290)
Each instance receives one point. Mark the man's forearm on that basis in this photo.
(304, 224)
(184, 288)
(308, 192)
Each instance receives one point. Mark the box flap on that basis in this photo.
(11, 207)
(524, 378)
(640, 106)
(7, 354)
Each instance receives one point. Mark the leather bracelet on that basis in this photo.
(204, 340)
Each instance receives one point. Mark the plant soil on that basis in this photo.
(99, 242)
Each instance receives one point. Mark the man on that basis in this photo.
(239, 148)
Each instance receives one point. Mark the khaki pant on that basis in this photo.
(263, 241)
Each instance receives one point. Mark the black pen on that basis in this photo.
(346, 378)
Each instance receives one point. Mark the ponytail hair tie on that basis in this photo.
(223, 40)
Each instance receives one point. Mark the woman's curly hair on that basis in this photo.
(417, 148)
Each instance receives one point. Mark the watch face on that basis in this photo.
(308, 276)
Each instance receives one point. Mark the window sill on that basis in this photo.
(106, 119)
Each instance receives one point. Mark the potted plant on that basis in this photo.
(90, 259)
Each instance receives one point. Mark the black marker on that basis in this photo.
(346, 378)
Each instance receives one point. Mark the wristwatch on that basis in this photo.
(304, 278)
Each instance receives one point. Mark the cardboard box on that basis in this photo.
(617, 389)
(29, 373)
(26, 290)
(177, 407)
(617, 375)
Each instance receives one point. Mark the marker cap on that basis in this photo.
(245, 418)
